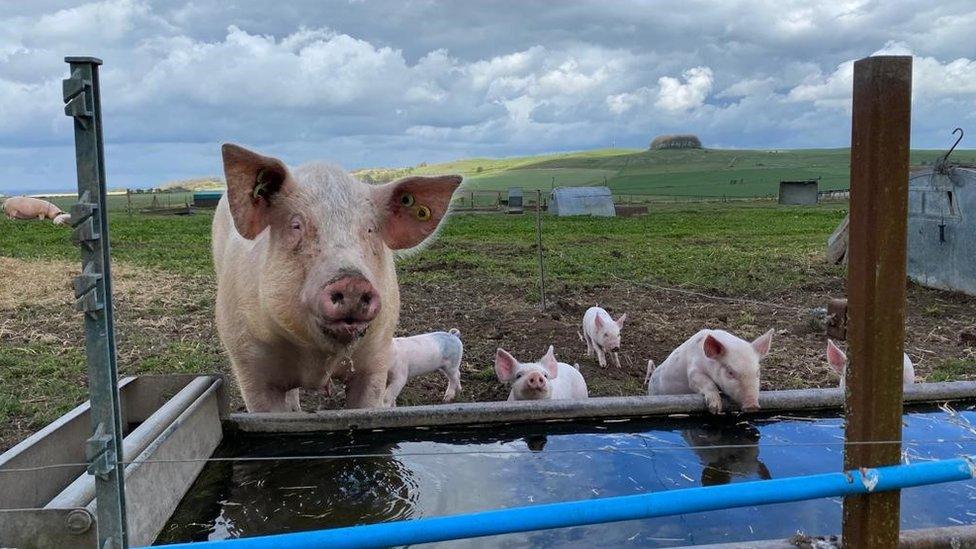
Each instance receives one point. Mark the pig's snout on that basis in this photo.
(348, 305)
(536, 381)
(751, 406)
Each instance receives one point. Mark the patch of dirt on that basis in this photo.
(157, 312)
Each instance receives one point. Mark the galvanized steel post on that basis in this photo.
(93, 290)
(876, 281)
(538, 242)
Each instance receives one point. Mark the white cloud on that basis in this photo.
(386, 83)
(677, 96)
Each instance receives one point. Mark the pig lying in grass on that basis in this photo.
(838, 361)
(306, 286)
(602, 334)
(713, 362)
(26, 207)
(546, 379)
(422, 354)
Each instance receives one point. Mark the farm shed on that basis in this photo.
(206, 199)
(798, 193)
(515, 200)
(942, 228)
(597, 201)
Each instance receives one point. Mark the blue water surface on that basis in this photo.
(394, 475)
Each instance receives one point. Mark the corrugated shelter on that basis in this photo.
(515, 200)
(942, 228)
(798, 193)
(206, 199)
(597, 201)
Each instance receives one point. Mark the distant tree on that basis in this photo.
(682, 141)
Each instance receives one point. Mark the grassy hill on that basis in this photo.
(699, 172)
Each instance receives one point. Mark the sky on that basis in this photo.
(364, 83)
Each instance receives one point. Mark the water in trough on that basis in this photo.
(419, 473)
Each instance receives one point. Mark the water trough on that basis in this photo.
(180, 421)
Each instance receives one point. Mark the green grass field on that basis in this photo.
(703, 172)
(481, 275)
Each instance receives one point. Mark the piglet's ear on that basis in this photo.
(598, 322)
(255, 184)
(549, 362)
(713, 347)
(620, 321)
(763, 343)
(411, 208)
(836, 358)
(505, 365)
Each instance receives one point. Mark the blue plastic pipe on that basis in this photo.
(613, 509)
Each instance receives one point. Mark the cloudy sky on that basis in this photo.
(376, 83)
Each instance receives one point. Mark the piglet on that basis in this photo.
(546, 379)
(838, 361)
(602, 334)
(713, 362)
(422, 354)
(27, 207)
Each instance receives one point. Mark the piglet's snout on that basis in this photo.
(348, 305)
(536, 381)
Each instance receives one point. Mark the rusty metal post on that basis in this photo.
(876, 280)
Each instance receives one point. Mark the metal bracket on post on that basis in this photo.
(93, 291)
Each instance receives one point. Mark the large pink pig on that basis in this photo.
(712, 362)
(26, 207)
(306, 285)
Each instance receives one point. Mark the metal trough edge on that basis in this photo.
(921, 538)
(591, 408)
(154, 490)
(82, 490)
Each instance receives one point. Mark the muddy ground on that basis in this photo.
(165, 324)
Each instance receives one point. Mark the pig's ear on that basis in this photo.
(255, 183)
(549, 362)
(836, 358)
(713, 347)
(505, 365)
(763, 343)
(598, 322)
(620, 321)
(412, 208)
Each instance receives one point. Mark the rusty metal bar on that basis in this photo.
(880, 131)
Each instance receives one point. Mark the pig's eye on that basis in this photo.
(406, 199)
(729, 372)
(296, 224)
(518, 375)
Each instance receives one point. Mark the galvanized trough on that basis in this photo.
(178, 421)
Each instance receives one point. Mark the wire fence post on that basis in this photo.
(93, 290)
(876, 281)
(538, 242)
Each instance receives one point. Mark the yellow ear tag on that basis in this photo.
(407, 200)
(259, 186)
(423, 213)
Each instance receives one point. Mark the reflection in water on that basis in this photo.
(727, 451)
(266, 497)
(536, 443)
(432, 472)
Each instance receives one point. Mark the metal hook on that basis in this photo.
(945, 157)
